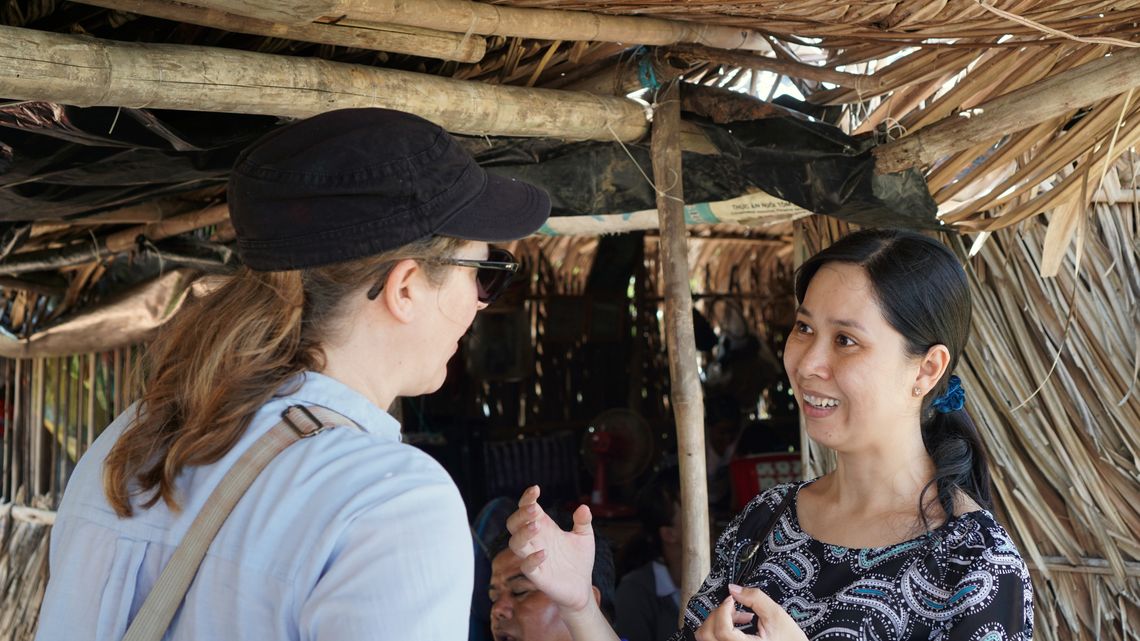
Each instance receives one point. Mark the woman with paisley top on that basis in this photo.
(897, 542)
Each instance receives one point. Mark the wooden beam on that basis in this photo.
(84, 252)
(462, 16)
(685, 384)
(148, 212)
(53, 285)
(380, 37)
(617, 79)
(725, 106)
(77, 70)
(1054, 96)
(124, 240)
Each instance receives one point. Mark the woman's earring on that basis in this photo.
(917, 391)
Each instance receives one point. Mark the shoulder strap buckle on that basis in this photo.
(303, 422)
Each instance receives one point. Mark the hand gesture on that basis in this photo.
(558, 563)
(772, 624)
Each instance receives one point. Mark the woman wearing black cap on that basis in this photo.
(364, 236)
(898, 541)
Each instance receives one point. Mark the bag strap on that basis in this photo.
(752, 521)
(157, 611)
(748, 552)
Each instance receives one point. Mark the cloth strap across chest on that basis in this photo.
(157, 611)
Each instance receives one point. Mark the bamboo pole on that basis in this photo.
(462, 16)
(148, 212)
(685, 384)
(85, 252)
(617, 79)
(379, 37)
(1014, 111)
(36, 65)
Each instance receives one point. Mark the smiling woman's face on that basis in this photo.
(849, 368)
(519, 611)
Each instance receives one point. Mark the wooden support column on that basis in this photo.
(83, 71)
(1020, 109)
(685, 396)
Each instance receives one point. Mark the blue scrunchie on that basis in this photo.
(953, 400)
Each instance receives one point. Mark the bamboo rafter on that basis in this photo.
(466, 17)
(36, 65)
(382, 37)
(899, 23)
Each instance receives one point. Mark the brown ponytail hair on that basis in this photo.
(225, 355)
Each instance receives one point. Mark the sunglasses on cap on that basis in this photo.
(491, 276)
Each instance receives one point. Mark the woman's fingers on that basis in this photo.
(742, 617)
(531, 563)
(528, 510)
(721, 623)
(525, 524)
(754, 599)
(583, 520)
(772, 619)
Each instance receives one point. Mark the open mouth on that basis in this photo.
(821, 402)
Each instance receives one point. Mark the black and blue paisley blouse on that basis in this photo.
(963, 581)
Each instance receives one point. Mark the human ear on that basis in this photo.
(398, 290)
(668, 533)
(931, 369)
(597, 595)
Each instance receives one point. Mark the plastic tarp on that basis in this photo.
(58, 162)
(811, 165)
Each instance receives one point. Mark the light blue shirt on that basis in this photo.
(350, 534)
(663, 582)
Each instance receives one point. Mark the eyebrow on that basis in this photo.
(842, 322)
(507, 581)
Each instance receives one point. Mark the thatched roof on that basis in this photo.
(1031, 169)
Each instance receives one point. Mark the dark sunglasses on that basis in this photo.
(492, 276)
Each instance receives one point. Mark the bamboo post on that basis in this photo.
(83, 71)
(92, 360)
(380, 37)
(685, 384)
(1014, 111)
(9, 437)
(39, 453)
(463, 16)
(17, 427)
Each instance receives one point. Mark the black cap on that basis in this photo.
(356, 182)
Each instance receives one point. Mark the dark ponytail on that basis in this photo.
(925, 296)
(953, 443)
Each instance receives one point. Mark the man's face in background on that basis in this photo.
(519, 611)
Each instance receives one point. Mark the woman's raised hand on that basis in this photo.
(772, 622)
(558, 563)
